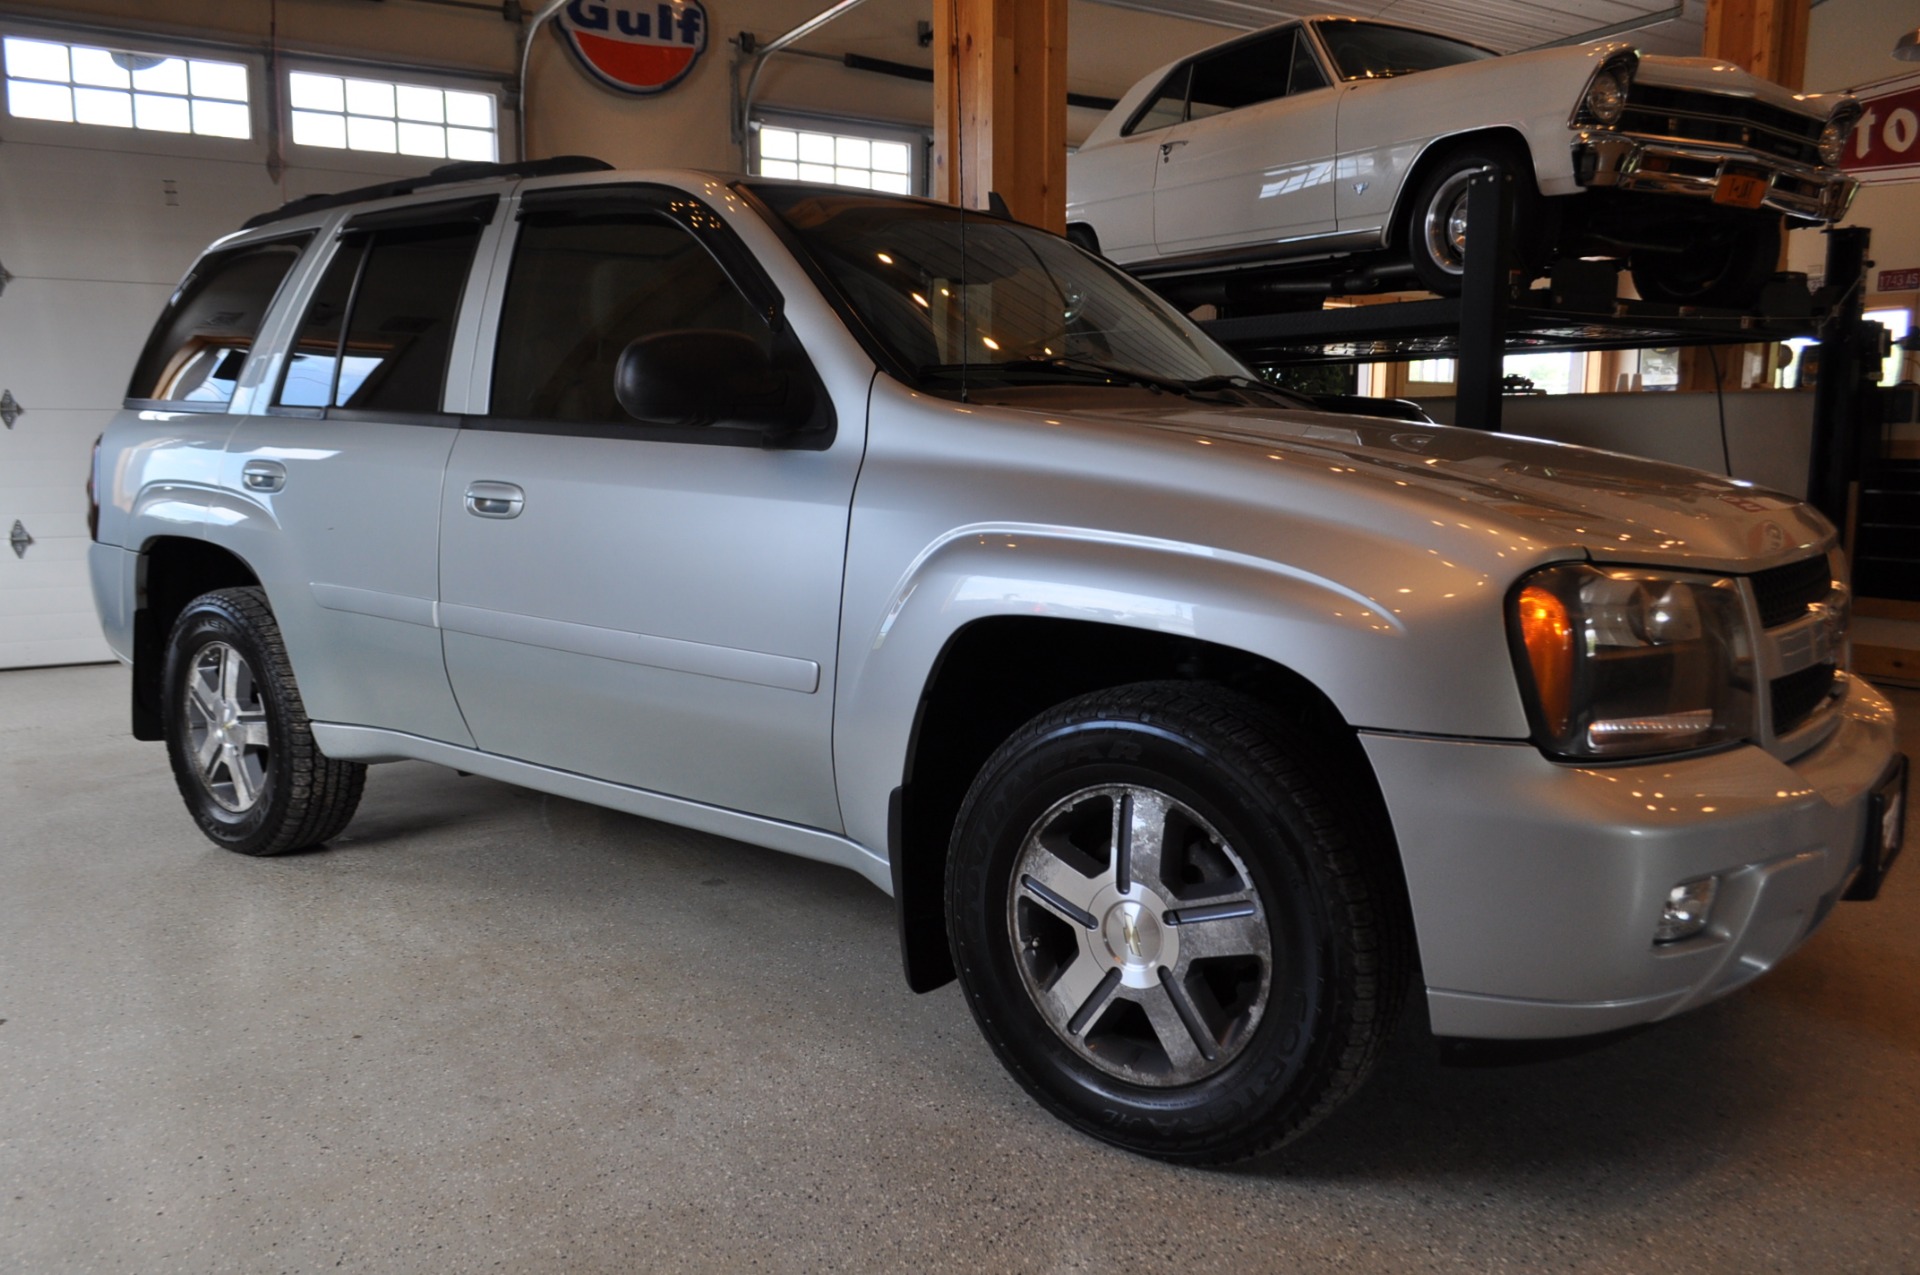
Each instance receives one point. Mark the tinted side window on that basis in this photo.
(398, 292)
(198, 347)
(1249, 72)
(1168, 105)
(584, 287)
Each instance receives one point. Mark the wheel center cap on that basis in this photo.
(1132, 934)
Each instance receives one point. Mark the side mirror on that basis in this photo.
(699, 377)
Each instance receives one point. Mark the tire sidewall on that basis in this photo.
(1258, 1088)
(207, 620)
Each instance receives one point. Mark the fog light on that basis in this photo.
(1686, 910)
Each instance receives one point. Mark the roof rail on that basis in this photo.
(445, 175)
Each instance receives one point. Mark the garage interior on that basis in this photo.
(489, 1028)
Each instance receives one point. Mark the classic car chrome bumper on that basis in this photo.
(1668, 167)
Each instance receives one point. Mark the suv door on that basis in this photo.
(1254, 161)
(653, 605)
(346, 461)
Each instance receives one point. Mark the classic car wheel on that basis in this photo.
(237, 733)
(1434, 227)
(1168, 926)
(1726, 264)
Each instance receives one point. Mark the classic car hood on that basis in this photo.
(1712, 75)
(1609, 505)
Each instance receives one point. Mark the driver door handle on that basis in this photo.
(1166, 148)
(495, 500)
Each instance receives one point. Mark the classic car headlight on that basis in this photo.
(1622, 662)
(1606, 97)
(1834, 137)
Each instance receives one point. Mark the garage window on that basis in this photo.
(344, 112)
(867, 160)
(83, 84)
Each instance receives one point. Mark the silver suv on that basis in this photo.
(1183, 723)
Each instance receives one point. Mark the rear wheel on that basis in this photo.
(237, 733)
(1172, 935)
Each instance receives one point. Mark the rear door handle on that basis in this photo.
(495, 500)
(263, 475)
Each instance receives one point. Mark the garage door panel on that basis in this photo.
(72, 344)
(50, 446)
(79, 214)
(46, 605)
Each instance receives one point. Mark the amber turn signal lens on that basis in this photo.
(1549, 637)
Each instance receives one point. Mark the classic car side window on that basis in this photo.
(201, 342)
(585, 286)
(1168, 105)
(1242, 74)
(378, 330)
(1306, 74)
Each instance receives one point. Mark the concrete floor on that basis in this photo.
(494, 1030)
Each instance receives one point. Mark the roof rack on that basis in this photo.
(445, 175)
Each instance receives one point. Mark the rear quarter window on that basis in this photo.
(207, 330)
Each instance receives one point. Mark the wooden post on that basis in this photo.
(1000, 106)
(1766, 37)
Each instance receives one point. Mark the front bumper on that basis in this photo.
(1536, 885)
(1618, 161)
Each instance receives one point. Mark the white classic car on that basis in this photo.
(1309, 141)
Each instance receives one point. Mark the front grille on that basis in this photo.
(1721, 120)
(1785, 593)
(1797, 695)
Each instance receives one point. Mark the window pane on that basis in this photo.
(168, 77)
(423, 139)
(36, 59)
(30, 101)
(856, 177)
(779, 168)
(370, 97)
(316, 92)
(163, 114)
(414, 103)
(897, 183)
(779, 143)
(310, 129)
(219, 308)
(467, 143)
(816, 148)
(224, 80)
(371, 135)
(892, 157)
(816, 172)
(309, 376)
(103, 106)
(222, 119)
(97, 67)
(580, 292)
(403, 317)
(470, 110)
(853, 152)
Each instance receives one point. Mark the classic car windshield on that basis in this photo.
(1371, 51)
(1003, 305)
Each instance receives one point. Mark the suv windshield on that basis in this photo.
(1370, 51)
(1002, 305)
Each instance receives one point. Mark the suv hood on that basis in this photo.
(1556, 495)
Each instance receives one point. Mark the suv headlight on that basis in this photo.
(1624, 662)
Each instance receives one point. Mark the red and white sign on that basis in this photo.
(1886, 143)
(635, 46)
(1898, 281)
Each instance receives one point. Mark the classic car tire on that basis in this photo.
(1433, 226)
(1726, 266)
(1178, 1051)
(238, 738)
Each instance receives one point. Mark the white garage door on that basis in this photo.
(98, 221)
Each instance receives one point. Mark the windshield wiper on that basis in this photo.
(1200, 389)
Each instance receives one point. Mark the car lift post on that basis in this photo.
(1847, 367)
(1484, 293)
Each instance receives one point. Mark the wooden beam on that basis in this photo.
(1766, 37)
(1000, 106)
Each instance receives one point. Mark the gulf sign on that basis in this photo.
(1886, 144)
(635, 46)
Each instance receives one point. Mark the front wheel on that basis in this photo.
(1172, 933)
(1434, 226)
(237, 732)
(1724, 264)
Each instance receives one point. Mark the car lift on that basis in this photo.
(1497, 314)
